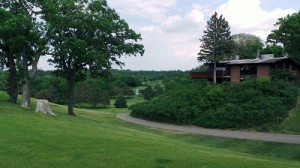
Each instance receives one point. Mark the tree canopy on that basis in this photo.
(246, 45)
(216, 43)
(22, 44)
(277, 50)
(87, 35)
(287, 34)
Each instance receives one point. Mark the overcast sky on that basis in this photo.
(171, 29)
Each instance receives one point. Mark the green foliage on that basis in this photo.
(202, 68)
(131, 81)
(291, 124)
(283, 74)
(87, 35)
(3, 79)
(177, 81)
(216, 41)
(80, 93)
(23, 41)
(45, 81)
(287, 34)
(127, 91)
(92, 91)
(246, 45)
(146, 76)
(44, 94)
(150, 93)
(260, 104)
(159, 89)
(121, 102)
(277, 50)
(178, 105)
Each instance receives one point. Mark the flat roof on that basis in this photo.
(254, 61)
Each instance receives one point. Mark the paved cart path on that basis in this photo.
(281, 138)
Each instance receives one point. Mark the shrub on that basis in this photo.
(284, 74)
(251, 104)
(44, 94)
(121, 102)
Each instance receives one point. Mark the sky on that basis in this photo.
(171, 29)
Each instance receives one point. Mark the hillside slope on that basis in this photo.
(98, 139)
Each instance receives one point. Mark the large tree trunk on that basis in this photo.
(27, 78)
(71, 83)
(26, 82)
(215, 73)
(26, 93)
(12, 88)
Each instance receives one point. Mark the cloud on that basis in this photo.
(190, 22)
(249, 17)
(166, 50)
(152, 9)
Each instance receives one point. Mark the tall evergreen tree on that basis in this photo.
(217, 42)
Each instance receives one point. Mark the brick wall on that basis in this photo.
(263, 71)
(235, 73)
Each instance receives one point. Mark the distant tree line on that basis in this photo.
(145, 76)
(96, 91)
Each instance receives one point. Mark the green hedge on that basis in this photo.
(253, 103)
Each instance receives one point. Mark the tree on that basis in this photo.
(277, 50)
(287, 34)
(127, 91)
(91, 91)
(104, 98)
(47, 80)
(80, 93)
(148, 93)
(121, 102)
(217, 42)
(158, 89)
(44, 94)
(87, 35)
(23, 44)
(9, 49)
(131, 81)
(246, 45)
(94, 91)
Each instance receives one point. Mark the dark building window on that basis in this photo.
(221, 70)
(248, 70)
(272, 66)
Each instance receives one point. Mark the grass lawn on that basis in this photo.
(98, 139)
(111, 108)
(292, 124)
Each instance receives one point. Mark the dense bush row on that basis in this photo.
(250, 104)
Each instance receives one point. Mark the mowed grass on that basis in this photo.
(111, 108)
(99, 139)
(292, 124)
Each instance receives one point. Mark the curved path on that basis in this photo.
(281, 138)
